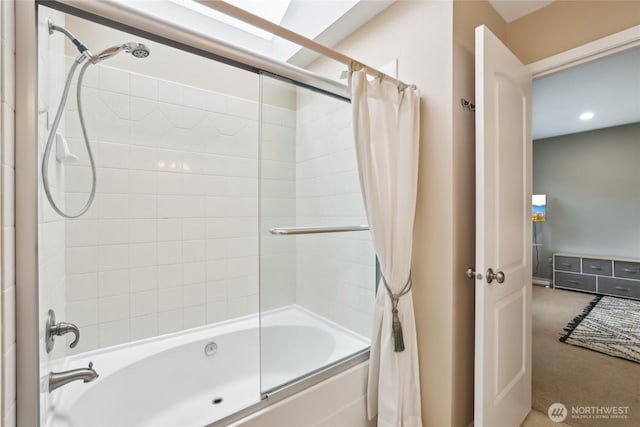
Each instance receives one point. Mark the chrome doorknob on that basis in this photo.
(499, 276)
(470, 273)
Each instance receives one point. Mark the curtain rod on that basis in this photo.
(299, 39)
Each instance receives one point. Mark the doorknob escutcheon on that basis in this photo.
(471, 274)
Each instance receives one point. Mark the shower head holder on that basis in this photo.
(84, 50)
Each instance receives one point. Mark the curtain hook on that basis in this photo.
(355, 66)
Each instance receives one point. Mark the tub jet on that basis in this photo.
(210, 349)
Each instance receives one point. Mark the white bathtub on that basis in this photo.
(170, 381)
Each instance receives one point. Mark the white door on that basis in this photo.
(503, 235)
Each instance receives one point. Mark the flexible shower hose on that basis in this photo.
(52, 135)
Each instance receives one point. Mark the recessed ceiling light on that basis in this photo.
(587, 115)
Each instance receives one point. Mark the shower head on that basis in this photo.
(136, 49)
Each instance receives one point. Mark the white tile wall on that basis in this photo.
(309, 178)
(335, 273)
(171, 241)
(278, 207)
(52, 251)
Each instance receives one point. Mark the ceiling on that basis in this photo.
(327, 22)
(511, 10)
(273, 10)
(608, 87)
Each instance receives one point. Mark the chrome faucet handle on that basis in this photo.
(63, 328)
(53, 329)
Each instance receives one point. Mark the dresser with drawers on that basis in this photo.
(599, 275)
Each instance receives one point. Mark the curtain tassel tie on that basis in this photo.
(396, 326)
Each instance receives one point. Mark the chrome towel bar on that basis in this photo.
(285, 231)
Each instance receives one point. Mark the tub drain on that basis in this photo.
(216, 400)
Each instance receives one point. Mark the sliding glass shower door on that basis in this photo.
(317, 265)
(226, 251)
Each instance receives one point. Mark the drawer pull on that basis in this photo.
(565, 264)
(621, 288)
(575, 282)
(629, 270)
(595, 267)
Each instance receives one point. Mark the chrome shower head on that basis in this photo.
(136, 49)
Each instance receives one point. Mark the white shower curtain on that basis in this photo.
(386, 126)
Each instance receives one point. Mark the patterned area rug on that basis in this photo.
(608, 325)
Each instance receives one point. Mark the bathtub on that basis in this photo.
(182, 379)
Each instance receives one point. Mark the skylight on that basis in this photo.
(272, 10)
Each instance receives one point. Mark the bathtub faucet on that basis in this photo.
(58, 379)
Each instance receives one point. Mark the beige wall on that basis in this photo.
(467, 15)
(563, 25)
(574, 23)
(463, 236)
(434, 42)
(419, 34)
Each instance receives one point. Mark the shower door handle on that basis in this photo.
(286, 231)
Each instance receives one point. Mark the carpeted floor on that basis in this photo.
(538, 419)
(575, 376)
